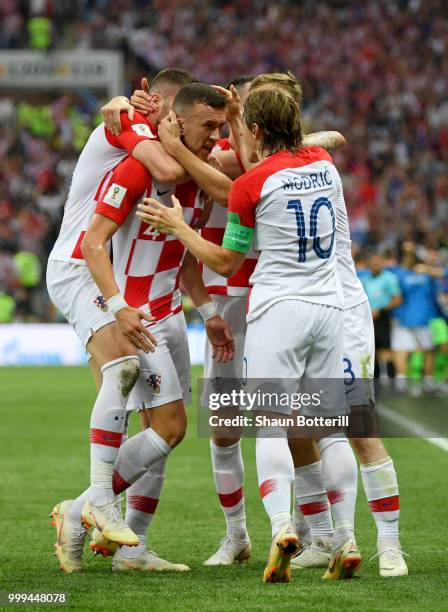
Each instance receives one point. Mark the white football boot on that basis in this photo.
(69, 538)
(391, 560)
(147, 561)
(231, 550)
(316, 555)
(108, 520)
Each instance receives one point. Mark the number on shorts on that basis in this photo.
(348, 370)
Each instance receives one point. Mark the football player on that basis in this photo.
(295, 281)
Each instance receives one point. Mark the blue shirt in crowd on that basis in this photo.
(419, 298)
(381, 288)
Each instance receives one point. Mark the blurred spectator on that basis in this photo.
(39, 30)
(384, 293)
(7, 307)
(411, 329)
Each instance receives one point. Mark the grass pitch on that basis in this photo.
(44, 457)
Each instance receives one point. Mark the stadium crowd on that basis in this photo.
(377, 71)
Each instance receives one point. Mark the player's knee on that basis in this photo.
(172, 429)
(127, 372)
(223, 440)
(369, 450)
(176, 433)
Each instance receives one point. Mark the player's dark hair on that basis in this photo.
(277, 114)
(171, 77)
(241, 80)
(197, 93)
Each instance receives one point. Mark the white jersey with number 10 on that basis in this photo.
(288, 203)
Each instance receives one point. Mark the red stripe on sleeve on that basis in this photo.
(129, 138)
(131, 180)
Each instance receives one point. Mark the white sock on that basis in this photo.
(275, 470)
(312, 500)
(381, 487)
(301, 526)
(228, 471)
(401, 382)
(136, 456)
(107, 424)
(383, 369)
(76, 507)
(142, 499)
(340, 477)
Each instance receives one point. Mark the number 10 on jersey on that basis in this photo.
(296, 205)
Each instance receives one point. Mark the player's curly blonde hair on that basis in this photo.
(277, 113)
(286, 80)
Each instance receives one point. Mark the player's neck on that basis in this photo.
(154, 117)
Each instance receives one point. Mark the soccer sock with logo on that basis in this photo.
(107, 424)
(275, 470)
(228, 471)
(312, 500)
(381, 487)
(136, 456)
(141, 502)
(340, 478)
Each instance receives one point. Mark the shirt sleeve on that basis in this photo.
(132, 132)
(126, 186)
(239, 232)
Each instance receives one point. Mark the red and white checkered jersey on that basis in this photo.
(289, 200)
(237, 285)
(101, 154)
(146, 263)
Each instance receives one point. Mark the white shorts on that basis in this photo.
(359, 355)
(294, 339)
(165, 375)
(74, 292)
(233, 312)
(410, 339)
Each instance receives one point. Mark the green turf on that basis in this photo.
(44, 458)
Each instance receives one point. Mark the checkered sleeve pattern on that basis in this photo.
(238, 285)
(152, 270)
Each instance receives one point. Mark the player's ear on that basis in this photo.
(181, 122)
(156, 100)
(255, 129)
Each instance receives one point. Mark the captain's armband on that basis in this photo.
(237, 237)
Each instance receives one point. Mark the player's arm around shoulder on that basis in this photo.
(329, 141)
(128, 129)
(162, 166)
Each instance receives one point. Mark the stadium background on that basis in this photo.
(377, 71)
